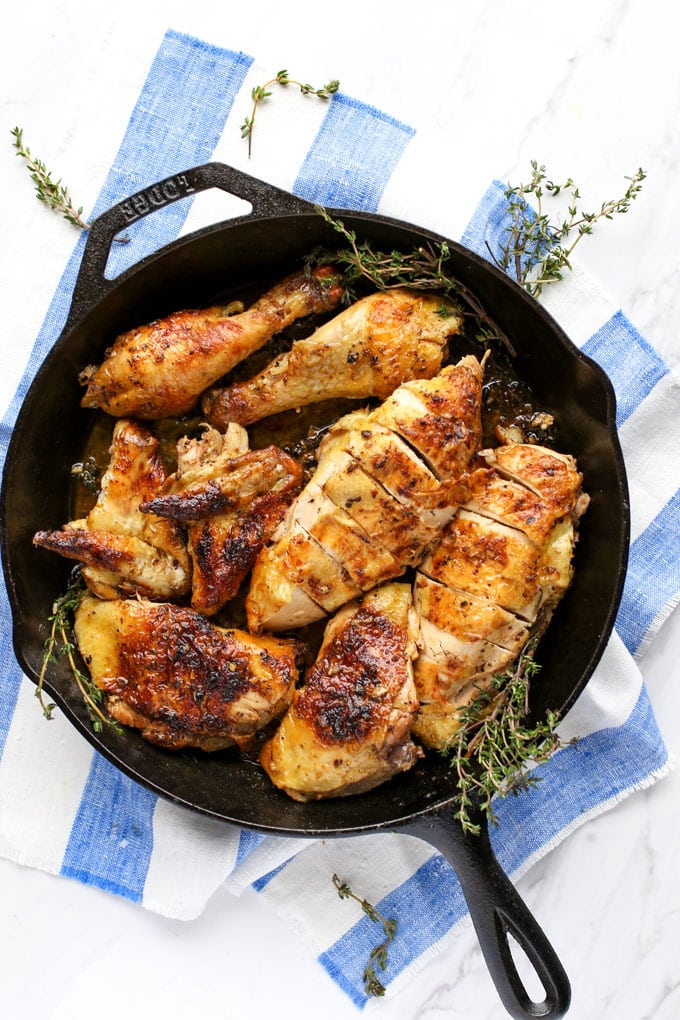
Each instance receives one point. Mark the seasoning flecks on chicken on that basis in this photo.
(348, 727)
(160, 370)
(181, 680)
(231, 500)
(359, 456)
(125, 551)
(440, 417)
(367, 350)
(508, 549)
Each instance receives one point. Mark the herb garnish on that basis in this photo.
(372, 983)
(537, 251)
(494, 746)
(261, 92)
(59, 642)
(49, 191)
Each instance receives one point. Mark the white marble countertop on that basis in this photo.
(593, 91)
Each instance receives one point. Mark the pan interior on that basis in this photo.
(194, 272)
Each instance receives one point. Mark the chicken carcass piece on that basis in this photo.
(373, 505)
(159, 370)
(367, 350)
(178, 678)
(231, 499)
(500, 567)
(125, 551)
(348, 727)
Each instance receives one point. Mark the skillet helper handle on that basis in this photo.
(497, 912)
(265, 200)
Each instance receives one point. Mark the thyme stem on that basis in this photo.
(536, 250)
(372, 983)
(49, 191)
(262, 92)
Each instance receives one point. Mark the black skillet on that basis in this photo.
(48, 439)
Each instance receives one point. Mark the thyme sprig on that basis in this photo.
(261, 92)
(372, 983)
(49, 191)
(536, 250)
(494, 749)
(59, 642)
(425, 268)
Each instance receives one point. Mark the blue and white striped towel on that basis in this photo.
(67, 811)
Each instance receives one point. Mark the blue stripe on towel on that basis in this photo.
(112, 835)
(632, 365)
(653, 577)
(248, 841)
(170, 130)
(352, 157)
(425, 906)
(486, 233)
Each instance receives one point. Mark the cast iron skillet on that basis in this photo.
(48, 438)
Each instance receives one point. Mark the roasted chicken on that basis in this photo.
(498, 569)
(230, 499)
(348, 727)
(373, 504)
(125, 551)
(159, 370)
(367, 350)
(178, 678)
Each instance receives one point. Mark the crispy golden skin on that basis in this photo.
(500, 566)
(181, 680)
(367, 350)
(348, 727)
(159, 370)
(386, 483)
(231, 499)
(125, 551)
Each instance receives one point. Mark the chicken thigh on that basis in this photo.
(347, 729)
(367, 350)
(182, 681)
(160, 370)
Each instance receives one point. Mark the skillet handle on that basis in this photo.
(497, 912)
(265, 200)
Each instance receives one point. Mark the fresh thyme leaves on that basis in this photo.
(372, 983)
(537, 251)
(88, 474)
(59, 642)
(262, 92)
(423, 268)
(52, 193)
(494, 746)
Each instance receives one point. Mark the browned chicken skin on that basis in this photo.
(373, 504)
(160, 370)
(367, 350)
(348, 727)
(182, 681)
(230, 499)
(498, 569)
(123, 550)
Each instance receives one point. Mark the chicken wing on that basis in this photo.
(160, 370)
(182, 681)
(347, 729)
(231, 500)
(125, 551)
(367, 350)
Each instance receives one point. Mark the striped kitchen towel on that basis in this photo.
(65, 810)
